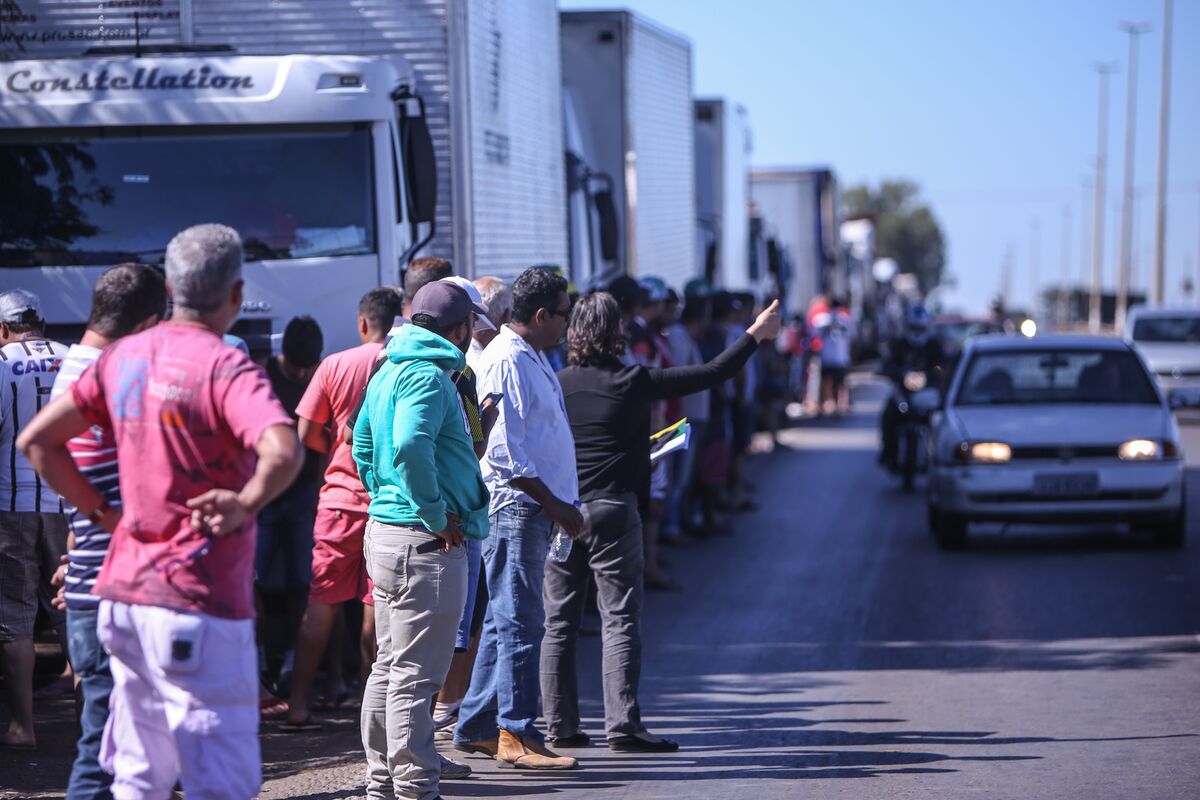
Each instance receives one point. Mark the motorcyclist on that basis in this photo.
(917, 350)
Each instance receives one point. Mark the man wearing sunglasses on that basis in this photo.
(202, 446)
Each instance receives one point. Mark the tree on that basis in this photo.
(905, 228)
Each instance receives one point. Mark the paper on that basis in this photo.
(670, 440)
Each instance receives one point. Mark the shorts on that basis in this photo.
(836, 376)
(31, 546)
(339, 570)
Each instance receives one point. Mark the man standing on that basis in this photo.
(497, 296)
(33, 530)
(177, 608)
(416, 460)
(126, 299)
(530, 471)
(339, 573)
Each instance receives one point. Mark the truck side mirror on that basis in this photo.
(420, 162)
(609, 229)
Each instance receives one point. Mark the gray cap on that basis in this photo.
(446, 303)
(484, 323)
(19, 305)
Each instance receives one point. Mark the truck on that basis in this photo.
(728, 257)
(340, 139)
(627, 104)
(802, 207)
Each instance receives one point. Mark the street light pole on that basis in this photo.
(1164, 116)
(1134, 29)
(1035, 244)
(1063, 301)
(1104, 69)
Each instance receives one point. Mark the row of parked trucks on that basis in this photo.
(342, 138)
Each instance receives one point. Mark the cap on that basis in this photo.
(447, 303)
(655, 287)
(19, 305)
(484, 323)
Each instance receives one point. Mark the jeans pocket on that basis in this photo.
(388, 567)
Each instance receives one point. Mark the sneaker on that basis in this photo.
(523, 752)
(453, 770)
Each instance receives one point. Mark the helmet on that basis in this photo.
(655, 287)
(917, 320)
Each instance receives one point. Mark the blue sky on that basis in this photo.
(990, 107)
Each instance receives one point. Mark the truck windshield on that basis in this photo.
(94, 197)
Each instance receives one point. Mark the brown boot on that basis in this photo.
(483, 747)
(520, 752)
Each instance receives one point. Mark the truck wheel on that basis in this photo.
(950, 531)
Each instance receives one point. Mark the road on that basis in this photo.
(829, 649)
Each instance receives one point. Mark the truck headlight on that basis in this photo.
(991, 453)
(1139, 450)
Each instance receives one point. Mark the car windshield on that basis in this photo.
(93, 197)
(1017, 377)
(1182, 328)
(959, 332)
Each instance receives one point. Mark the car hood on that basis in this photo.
(1062, 424)
(1166, 357)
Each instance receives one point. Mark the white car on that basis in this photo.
(1054, 429)
(1169, 340)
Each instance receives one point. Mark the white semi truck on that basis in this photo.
(802, 209)
(341, 139)
(627, 98)
(723, 146)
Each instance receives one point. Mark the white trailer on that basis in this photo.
(627, 85)
(723, 148)
(318, 160)
(801, 208)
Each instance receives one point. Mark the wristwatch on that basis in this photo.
(98, 514)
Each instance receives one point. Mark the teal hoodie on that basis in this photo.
(413, 452)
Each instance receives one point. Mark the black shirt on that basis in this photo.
(609, 410)
(289, 393)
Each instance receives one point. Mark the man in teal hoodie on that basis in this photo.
(417, 462)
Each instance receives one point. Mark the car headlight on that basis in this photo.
(991, 453)
(1139, 450)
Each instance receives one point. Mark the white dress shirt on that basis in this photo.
(532, 437)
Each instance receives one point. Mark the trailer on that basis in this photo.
(340, 139)
(802, 208)
(627, 99)
(728, 256)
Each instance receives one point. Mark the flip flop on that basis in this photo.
(307, 726)
(325, 705)
(272, 708)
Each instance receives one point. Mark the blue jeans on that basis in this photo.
(505, 689)
(683, 473)
(286, 525)
(90, 662)
(462, 641)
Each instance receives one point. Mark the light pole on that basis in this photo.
(1104, 69)
(1035, 244)
(1164, 116)
(1134, 29)
(1063, 301)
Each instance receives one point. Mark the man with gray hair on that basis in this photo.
(497, 296)
(177, 610)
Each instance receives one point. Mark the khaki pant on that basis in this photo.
(419, 598)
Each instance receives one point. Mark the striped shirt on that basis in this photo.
(95, 453)
(27, 371)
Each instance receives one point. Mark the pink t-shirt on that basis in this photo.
(186, 411)
(330, 399)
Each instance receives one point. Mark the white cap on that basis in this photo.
(16, 304)
(483, 323)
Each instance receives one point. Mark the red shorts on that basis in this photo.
(339, 572)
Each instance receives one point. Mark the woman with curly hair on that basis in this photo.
(608, 405)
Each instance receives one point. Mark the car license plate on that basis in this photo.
(1081, 484)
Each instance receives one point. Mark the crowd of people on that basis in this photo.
(457, 492)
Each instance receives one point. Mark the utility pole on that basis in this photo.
(1164, 117)
(1104, 69)
(1134, 29)
(1085, 257)
(1034, 245)
(1064, 286)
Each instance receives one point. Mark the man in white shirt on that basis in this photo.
(530, 472)
(497, 296)
(33, 528)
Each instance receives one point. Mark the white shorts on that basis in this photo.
(184, 704)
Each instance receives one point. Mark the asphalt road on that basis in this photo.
(829, 649)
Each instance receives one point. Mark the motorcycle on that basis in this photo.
(916, 401)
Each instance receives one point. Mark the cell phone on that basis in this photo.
(495, 397)
(432, 546)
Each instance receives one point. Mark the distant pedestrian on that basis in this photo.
(33, 529)
(202, 447)
(339, 572)
(530, 472)
(497, 296)
(838, 334)
(416, 460)
(126, 299)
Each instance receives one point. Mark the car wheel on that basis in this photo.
(1172, 532)
(950, 531)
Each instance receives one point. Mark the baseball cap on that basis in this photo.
(19, 305)
(447, 303)
(483, 324)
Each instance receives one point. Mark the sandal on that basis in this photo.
(326, 706)
(272, 708)
(306, 726)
